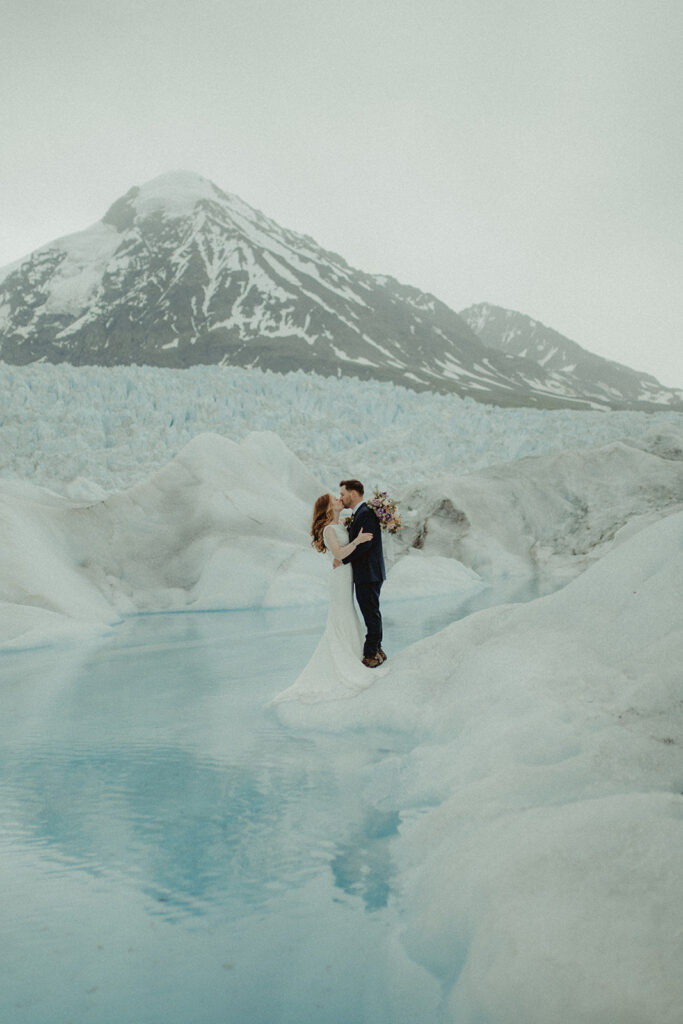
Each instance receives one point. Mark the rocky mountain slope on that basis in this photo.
(179, 273)
(599, 379)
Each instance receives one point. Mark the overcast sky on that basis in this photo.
(525, 153)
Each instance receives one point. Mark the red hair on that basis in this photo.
(322, 515)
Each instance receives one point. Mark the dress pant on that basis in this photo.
(367, 596)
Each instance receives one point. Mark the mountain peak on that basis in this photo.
(180, 273)
(183, 185)
(175, 194)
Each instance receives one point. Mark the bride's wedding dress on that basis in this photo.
(335, 670)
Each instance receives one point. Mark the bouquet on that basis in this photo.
(386, 511)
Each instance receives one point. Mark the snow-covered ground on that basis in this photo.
(540, 790)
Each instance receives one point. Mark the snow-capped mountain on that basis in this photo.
(179, 272)
(598, 379)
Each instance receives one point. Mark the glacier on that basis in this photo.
(127, 490)
(69, 428)
(538, 782)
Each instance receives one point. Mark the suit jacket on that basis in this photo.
(367, 561)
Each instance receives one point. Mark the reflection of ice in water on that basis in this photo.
(174, 854)
(363, 866)
(171, 852)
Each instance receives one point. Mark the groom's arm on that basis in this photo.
(368, 522)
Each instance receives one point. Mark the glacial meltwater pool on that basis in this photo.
(170, 853)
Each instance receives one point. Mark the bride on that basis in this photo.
(335, 669)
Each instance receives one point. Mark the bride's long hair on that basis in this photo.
(322, 515)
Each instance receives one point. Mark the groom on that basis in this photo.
(367, 562)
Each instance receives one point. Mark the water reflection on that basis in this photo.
(157, 766)
(194, 835)
(152, 816)
(148, 756)
(189, 832)
(362, 866)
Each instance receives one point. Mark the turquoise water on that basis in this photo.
(171, 853)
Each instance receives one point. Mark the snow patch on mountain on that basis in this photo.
(174, 194)
(571, 368)
(180, 273)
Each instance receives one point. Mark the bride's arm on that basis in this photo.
(342, 552)
(368, 527)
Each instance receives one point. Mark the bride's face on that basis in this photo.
(336, 504)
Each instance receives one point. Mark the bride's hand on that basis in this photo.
(363, 537)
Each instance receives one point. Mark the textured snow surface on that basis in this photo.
(69, 428)
(552, 514)
(215, 528)
(540, 797)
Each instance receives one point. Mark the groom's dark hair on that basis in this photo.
(353, 485)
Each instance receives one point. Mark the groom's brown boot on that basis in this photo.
(372, 662)
(381, 655)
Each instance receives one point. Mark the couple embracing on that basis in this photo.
(339, 666)
(361, 550)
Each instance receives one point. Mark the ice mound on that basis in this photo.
(421, 575)
(541, 798)
(222, 525)
(225, 525)
(553, 514)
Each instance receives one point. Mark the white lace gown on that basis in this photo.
(335, 670)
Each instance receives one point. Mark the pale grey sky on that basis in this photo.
(525, 153)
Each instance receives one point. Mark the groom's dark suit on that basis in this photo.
(367, 562)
